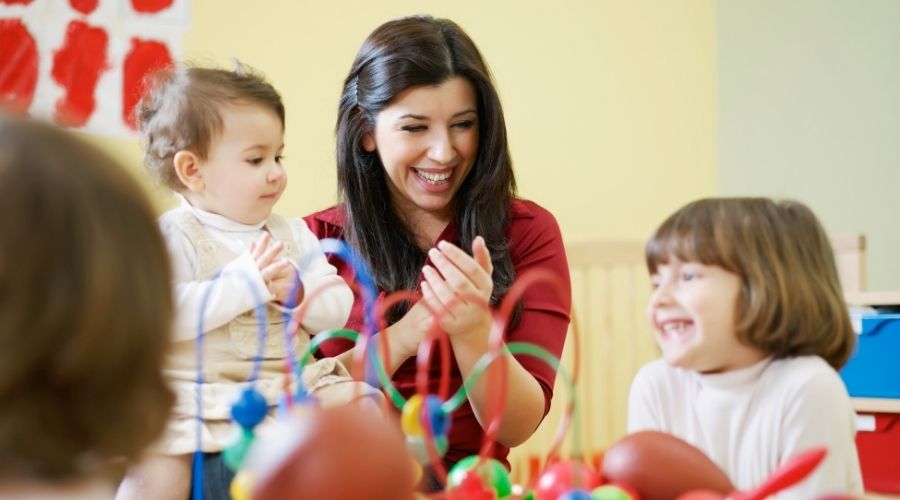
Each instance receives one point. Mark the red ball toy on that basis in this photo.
(563, 476)
(334, 453)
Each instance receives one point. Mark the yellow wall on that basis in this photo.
(611, 105)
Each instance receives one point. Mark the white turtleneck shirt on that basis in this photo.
(750, 421)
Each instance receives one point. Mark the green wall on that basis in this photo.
(809, 108)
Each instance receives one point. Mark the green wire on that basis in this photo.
(457, 400)
(383, 377)
(526, 348)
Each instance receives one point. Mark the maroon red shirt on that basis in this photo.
(535, 243)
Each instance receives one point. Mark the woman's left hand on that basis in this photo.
(458, 286)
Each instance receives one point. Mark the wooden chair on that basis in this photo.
(850, 256)
(609, 292)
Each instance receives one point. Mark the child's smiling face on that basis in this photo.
(692, 311)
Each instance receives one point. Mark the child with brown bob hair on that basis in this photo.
(749, 314)
(85, 316)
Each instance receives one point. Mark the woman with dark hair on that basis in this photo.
(425, 176)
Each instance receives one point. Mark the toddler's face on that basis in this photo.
(242, 174)
(692, 314)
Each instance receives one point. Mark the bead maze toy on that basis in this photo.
(358, 452)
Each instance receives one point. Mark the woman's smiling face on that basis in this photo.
(427, 140)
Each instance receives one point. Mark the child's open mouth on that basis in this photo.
(676, 330)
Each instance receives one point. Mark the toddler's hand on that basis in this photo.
(281, 277)
(278, 272)
(264, 251)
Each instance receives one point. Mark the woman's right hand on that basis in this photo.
(403, 338)
(458, 286)
(406, 334)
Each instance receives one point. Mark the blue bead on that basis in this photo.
(440, 421)
(250, 409)
(575, 495)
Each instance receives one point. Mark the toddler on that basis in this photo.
(215, 137)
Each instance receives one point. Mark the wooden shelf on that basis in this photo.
(872, 298)
(876, 405)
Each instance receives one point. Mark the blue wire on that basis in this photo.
(197, 472)
(349, 255)
(288, 321)
(362, 276)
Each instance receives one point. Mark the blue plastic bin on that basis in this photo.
(873, 370)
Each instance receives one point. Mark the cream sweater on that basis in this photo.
(750, 421)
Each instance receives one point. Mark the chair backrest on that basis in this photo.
(609, 291)
(585, 254)
(850, 256)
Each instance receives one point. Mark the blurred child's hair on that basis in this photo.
(85, 308)
(182, 111)
(790, 301)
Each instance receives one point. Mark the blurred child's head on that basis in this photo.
(85, 308)
(738, 279)
(216, 136)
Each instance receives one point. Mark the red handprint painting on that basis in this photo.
(83, 63)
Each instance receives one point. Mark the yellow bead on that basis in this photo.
(417, 471)
(241, 485)
(409, 418)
